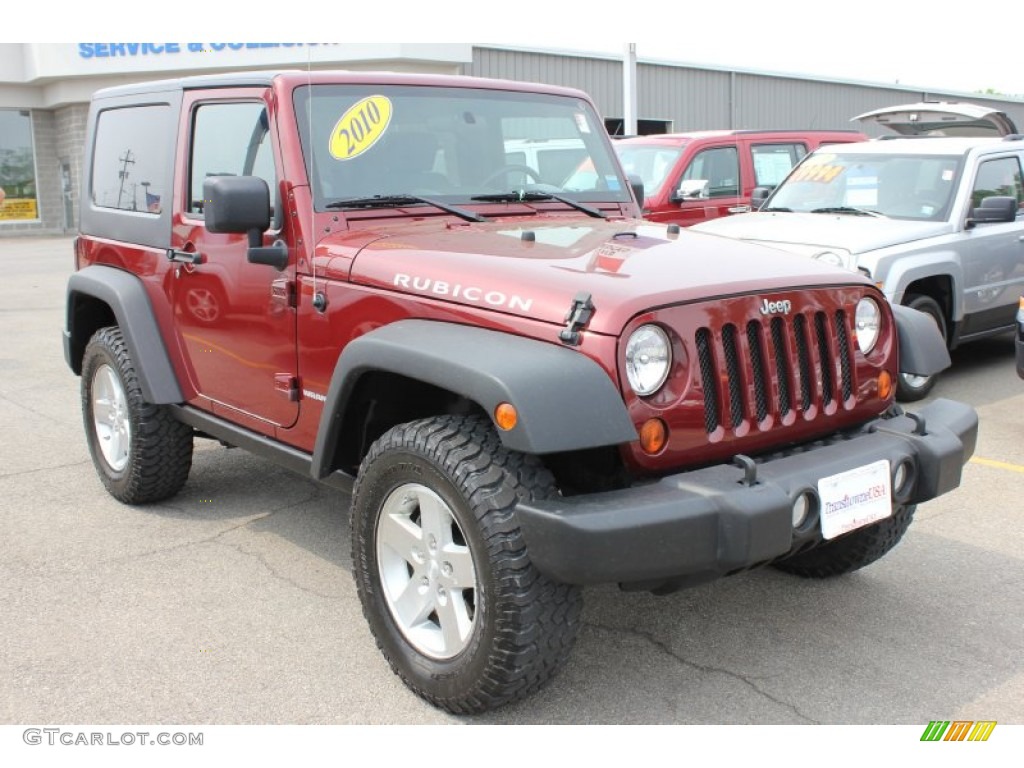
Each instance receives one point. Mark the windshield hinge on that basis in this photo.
(576, 319)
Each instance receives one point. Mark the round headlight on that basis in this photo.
(648, 358)
(830, 257)
(868, 324)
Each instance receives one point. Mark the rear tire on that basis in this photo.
(442, 571)
(141, 453)
(910, 388)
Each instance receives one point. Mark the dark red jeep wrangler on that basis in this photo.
(526, 388)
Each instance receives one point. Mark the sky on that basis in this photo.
(955, 46)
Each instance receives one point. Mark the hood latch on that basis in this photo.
(576, 319)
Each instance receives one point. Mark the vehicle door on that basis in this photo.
(770, 163)
(707, 188)
(235, 321)
(993, 254)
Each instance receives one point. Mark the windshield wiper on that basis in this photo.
(527, 197)
(395, 201)
(779, 210)
(847, 209)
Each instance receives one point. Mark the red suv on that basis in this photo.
(348, 274)
(692, 177)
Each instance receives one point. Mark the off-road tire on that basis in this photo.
(524, 624)
(159, 448)
(852, 551)
(910, 389)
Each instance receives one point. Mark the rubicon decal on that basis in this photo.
(958, 730)
(466, 292)
(776, 307)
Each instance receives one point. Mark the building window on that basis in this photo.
(18, 200)
(128, 165)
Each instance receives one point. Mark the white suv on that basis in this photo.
(935, 219)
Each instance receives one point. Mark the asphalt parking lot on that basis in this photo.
(234, 602)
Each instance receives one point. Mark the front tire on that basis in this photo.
(852, 551)
(141, 453)
(910, 387)
(442, 571)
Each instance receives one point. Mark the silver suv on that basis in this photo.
(936, 218)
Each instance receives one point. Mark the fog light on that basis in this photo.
(801, 508)
(653, 436)
(902, 479)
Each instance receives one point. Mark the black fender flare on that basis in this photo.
(922, 350)
(565, 400)
(124, 293)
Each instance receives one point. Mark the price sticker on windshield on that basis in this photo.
(822, 173)
(360, 127)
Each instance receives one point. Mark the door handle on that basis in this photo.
(739, 209)
(185, 257)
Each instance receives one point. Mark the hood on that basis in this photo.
(536, 271)
(941, 118)
(807, 232)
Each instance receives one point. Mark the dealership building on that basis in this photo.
(45, 90)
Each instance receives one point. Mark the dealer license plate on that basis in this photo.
(855, 498)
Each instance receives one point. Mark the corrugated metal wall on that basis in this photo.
(697, 98)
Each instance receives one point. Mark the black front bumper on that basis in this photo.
(710, 522)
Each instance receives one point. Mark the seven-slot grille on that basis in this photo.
(774, 366)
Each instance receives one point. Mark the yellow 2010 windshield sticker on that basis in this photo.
(360, 127)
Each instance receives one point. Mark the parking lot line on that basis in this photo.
(997, 464)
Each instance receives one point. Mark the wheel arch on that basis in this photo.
(939, 279)
(938, 287)
(98, 296)
(565, 400)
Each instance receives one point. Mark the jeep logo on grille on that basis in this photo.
(776, 307)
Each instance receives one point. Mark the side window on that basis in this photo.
(128, 163)
(773, 161)
(998, 177)
(720, 168)
(229, 140)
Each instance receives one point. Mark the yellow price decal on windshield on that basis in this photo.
(360, 127)
(823, 173)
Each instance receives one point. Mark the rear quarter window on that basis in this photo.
(129, 159)
(772, 162)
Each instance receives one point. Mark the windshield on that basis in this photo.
(892, 185)
(450, 144)
(651, 163)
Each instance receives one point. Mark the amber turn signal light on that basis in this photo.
(506, 416)
(884, 385)
(653, 436)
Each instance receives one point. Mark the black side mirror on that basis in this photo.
(242, 204)
(759, 196)
(998, 208)
(237, 204)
